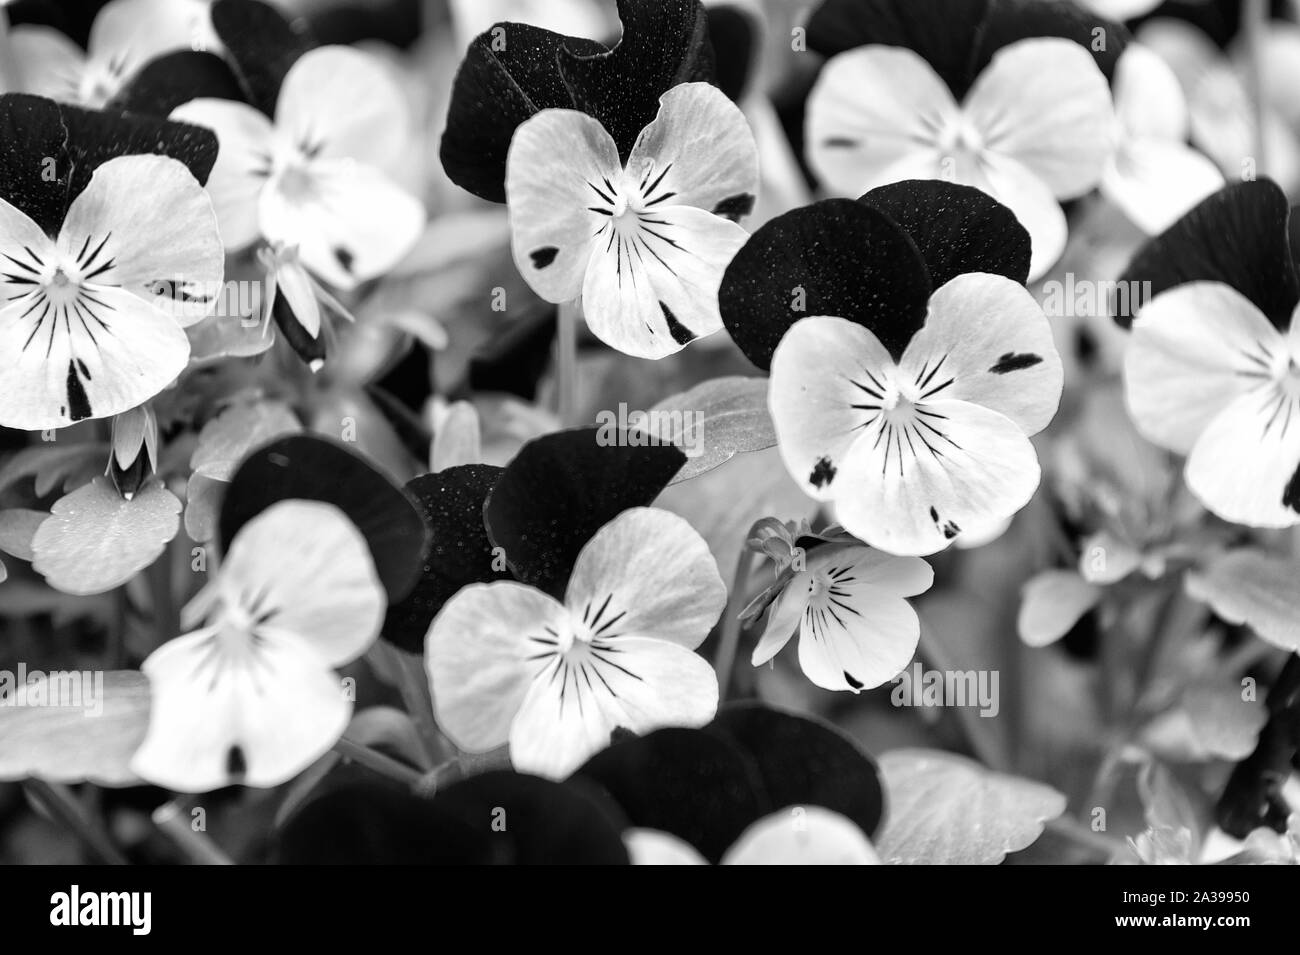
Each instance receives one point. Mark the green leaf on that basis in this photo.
(54, 466)
(17, 528)
(1252, 587)
(1051, 604)
(949, 810)
(713, 422)
(95, 539)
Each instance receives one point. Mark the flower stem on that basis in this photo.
(730, 641)
(59, 802)
(377, 761)
(566, 363)
(170, 819)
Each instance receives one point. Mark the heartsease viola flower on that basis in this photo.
(1033, 127)
(126, 34)
(99, 278)
(643, 243)
(1213, 367)
(509, 663)
(250, 696)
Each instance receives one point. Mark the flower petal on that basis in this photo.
(47, 63)
(257, 723)
(826, 377)
(647, 573)
(803, 835)
(560, 164)
(910, 490)
(1016, 187)
(1044, 103)
(155, 232)
(990, 337)
(652, 290)
(1149, 101)
(1156, 183)
(652, 847)
(243, 163)
(700, 150)
(855, 142)
(477, 655)
(1194, 349)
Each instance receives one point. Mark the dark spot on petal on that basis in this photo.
(1013, 362)
(78, 400)
(839, 142)
(85, 372)
(236, 765)
(544, 256)
(949, 529)
(1291, 494)
(823, 473)
(934, 515)
(344, 258)
(735, 207)
(852, 681)
(681, 334)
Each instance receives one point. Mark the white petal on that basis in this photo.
(1014, 185)
(1051, 604)
(477, 653)
(272, 713)
(990, 337)
(652, 847)
(151, 219)
(304, 568)
(1187, 359)
(782, 619)
(344, 103)
(647, 573)
(874, 116)
(1156, 182)
(911, 489)
(699, 149)
(47, 63)
(118, 353)
(561, 163)
(350, 222)
(1244, 466)
(652, 288)
(823, 368)
(243, 163)
(135, 31)
(1044, 103)
(802, 835)
(1149, 101)
(18, 268)
(646, 684)
(293, 282)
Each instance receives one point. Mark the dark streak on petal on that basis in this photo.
(544, 256)
(236, 764)
(78, 400)
(1014, 362)
(823, 473)
(1291, 493)
(949, 529)
(345, 258)
(681, 334)
(852, 680)
(735, 207)
(839, 142)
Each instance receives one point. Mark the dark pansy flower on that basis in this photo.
(1213, 367)
(908, 396)
(108, 250)
(1025, 113)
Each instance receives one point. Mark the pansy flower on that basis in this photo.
(125, 36)
(1154, 176)
(303, 170)
(1025, 113)
(643, 243)
(908, 394)
(108, 250)
(1213, 367)
(250, 696)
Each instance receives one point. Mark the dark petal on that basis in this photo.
(510, 72)
(261, 44)
(460, 553)
(835, 257)
(736, 37)
(1238, 236)
(34, 168)
(696, 785)
(1012, 20)
(168, 81)
(957, 228)
(310, 350)
(317, 469)
(664, 43)
(560, 489)
(94, 137)
(803, 761)
(494, 818)
(515, 358)
(940, 31)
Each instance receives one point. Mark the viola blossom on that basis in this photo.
(250, 696)
(856, 630)
(1036, 127)
(1212, 370)
(1154, 176)
(509, 663)
(311, 180)
(96, 300)
(125, 36)
(644, 242)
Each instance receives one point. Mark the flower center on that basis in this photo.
(297, 184)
